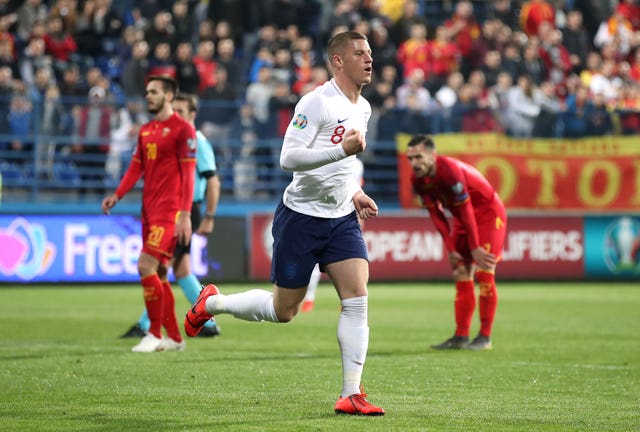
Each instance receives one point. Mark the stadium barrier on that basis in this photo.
(402, 246)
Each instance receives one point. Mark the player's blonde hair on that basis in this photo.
(338, 42)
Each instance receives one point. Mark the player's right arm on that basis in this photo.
(309, 118)
(129, 180)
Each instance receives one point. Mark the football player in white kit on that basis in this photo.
(317, 222)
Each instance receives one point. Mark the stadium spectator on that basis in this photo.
(599, 121)
(578, 110)
(523, 108)
(124, 130)
(413, 53)
(464, 31)
(479, 222)
(402, 28)
(161, 60)
(553, 54)
(91, 140)
(20, 118)
(134, 70)
(183, 22)
(217, 110)
(446, 98)
(618, 30)
(511, 61)
(491, 67)
(206, 64)
(30, 12)
(67, 11)
(258, 95)
(546, 124)
(443, 57)
(413, 87)
(628, 109)
(383, 46)
(186, 72)
(498, 97)
(59, 43)
(304, 59)
(630, 9)
(226, 59)
(282, 70)
(33, 58)
(634, 67)
(532, 64)
(166, 205)
(507, 12)
(326, 167)
(577, 41)
(606, 82)
(534, 13)
(98, 27)
(160, 30)
(263, 59)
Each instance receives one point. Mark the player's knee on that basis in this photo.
(162, 271)
(461, 273)
(286, 315)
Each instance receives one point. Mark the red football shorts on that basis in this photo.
(159, 240)
(492, 229)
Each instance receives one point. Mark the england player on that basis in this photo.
(475, 238)
(316, 221)
(166, 155)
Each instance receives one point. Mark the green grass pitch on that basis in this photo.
(566, 357)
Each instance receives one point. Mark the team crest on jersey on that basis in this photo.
(300, 122)
(165, 131)
(457, 188)
(191, 142)
(145, 133)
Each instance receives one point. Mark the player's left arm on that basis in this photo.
(186, 145)
(461, 200)
(212, 197)
(365, 206)
(206, 168)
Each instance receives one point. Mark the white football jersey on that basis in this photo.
(321, 119)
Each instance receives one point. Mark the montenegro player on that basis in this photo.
(166, 155)
(474, 239)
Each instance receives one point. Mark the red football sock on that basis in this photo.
(464, 304)
(488, 301)
(152, 292)
(169, 320)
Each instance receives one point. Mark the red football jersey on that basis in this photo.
(165, 154)
(463, 190)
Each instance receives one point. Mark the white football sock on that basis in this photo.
(313, 284)
(353, 338)
(252, 305)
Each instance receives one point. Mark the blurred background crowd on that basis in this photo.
(72, 77)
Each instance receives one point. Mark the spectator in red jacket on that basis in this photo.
(57, 42)
(630, 9)
(414, 52)
(443, 56)
(534, 13)
(464, 31)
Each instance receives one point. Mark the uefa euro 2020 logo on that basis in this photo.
(622, 246)
(25, 251)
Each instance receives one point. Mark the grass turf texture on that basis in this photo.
(566, 358)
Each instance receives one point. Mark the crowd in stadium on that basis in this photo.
(72, 72)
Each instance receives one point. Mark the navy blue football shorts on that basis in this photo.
(301, 241)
